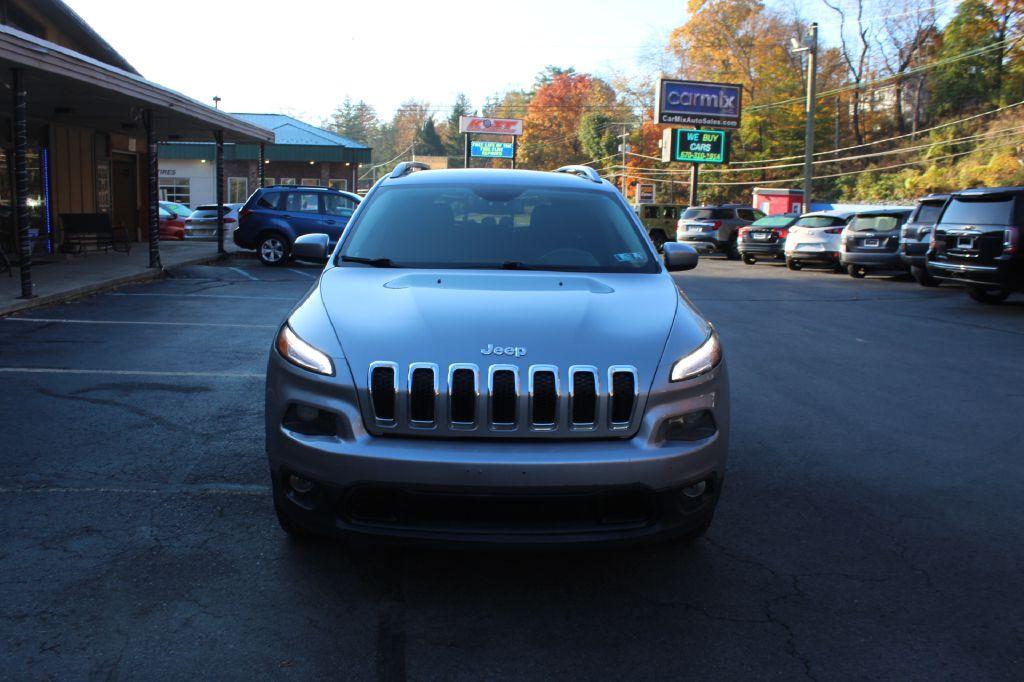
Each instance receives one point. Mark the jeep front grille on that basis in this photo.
(504, 400)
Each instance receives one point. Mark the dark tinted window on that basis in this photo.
(488, 226)
(746, 214)
(708, 214)
(773, 221)
(996, 209)
(875, 223)
(820, 221)
(650, 212)
(339, 205)
(671, 212)
(303, 202)
(928, 213)
(270, 200)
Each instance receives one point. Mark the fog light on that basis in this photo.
(300, 484)
(696, 490)
(690, 427)
(306, 414)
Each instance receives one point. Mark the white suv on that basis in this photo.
(815, 238)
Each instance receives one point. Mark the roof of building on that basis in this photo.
(72, 24)
(290, 130)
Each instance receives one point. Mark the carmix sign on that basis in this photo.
(698, 103)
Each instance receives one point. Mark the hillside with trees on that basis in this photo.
(910, 100)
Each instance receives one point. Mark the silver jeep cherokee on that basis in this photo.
(496, 356)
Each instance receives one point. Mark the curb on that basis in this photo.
(100, 287)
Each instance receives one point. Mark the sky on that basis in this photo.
(304, 57)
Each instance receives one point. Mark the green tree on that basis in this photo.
(968, 83)
(428, 142)
(355, 120)
(453, 141)
(597, 136)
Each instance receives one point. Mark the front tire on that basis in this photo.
(793, 264)
(923, 277)
(855, 271)
(749, 260)
(272, 249)
(989, 296)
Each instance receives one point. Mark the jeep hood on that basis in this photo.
(449, 316)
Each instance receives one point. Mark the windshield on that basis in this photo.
(176, 209)
(820, 221)
(491, 226)
(874, 223)
(707, 214)
(996, 209)
(773, 221)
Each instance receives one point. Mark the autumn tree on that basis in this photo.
(553, 118)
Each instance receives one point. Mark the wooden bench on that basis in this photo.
(84, 230)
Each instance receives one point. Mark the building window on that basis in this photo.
(338, 184)
(286, 181)
(103, 186)
(309, 182)
(177, 190)
(238, 190)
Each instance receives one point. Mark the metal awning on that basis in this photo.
(65, 86)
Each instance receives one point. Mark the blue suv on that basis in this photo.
(274, 217)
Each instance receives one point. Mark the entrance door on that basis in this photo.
(124, 198)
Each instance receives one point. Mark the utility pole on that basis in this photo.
(811, 48)
(624, 149)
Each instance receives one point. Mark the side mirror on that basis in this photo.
(311, 247)
(679, 257)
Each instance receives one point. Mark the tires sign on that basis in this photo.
(475, 125)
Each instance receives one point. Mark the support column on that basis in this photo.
(153, 186)
(694, 171)
(465, 163)
(515, 150)
(21, 183)
(218, 136)
(263, 165)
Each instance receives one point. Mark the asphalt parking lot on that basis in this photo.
(871, 524)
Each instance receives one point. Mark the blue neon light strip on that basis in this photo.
(46, 199)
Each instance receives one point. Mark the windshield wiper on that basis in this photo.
(515, 265)
(375, 262)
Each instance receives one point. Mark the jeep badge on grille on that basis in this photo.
(516, 351)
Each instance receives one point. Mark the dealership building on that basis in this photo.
(301, 155)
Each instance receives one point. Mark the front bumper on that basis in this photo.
(580, 477)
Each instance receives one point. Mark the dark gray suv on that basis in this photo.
(715, 228)
(496, 356)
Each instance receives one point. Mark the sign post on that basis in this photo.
(470, 125)
(697, 103)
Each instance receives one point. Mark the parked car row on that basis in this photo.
(971, 237)
(179, 222)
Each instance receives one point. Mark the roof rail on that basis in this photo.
(585, 172)
(407, 167)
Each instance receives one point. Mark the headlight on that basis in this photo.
(298, 352)
(700, 361)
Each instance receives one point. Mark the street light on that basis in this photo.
(811, 48)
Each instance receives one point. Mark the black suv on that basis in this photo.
(977, 242)
(871, 241)
(917, 236)
(274, 217)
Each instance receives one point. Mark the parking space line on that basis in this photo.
(43, 320)
(245, 298)
(301, 272)
(244, 273)
(132, 372)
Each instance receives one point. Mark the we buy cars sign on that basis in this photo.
(492, 126)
